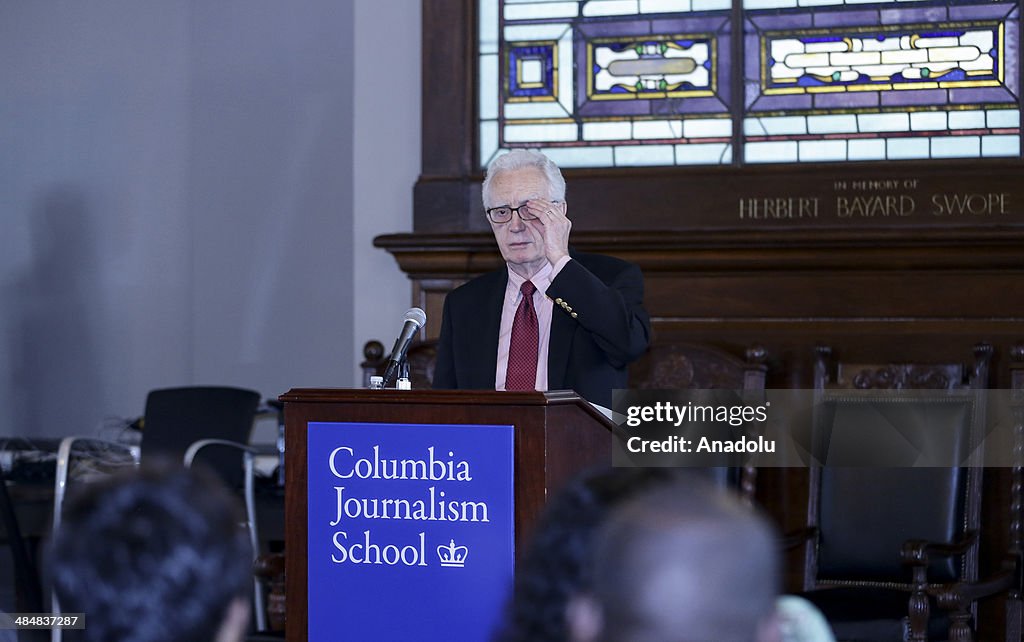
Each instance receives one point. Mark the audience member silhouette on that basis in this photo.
(555, 566)
(154, 556)
(681, 562)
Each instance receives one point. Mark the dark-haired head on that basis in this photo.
(156, 555)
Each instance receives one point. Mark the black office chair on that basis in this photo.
(195, 424)
(210, 422)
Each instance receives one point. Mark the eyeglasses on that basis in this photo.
(503, 214)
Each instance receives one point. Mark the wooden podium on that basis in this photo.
(556, 434)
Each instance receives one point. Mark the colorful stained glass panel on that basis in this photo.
(594, 85)
(923, 79)
(599, 83)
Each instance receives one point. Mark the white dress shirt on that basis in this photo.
(544, 307)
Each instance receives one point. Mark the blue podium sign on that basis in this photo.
(410, 530)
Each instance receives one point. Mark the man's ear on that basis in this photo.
(584, 619)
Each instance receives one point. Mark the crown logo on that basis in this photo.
(452, 555)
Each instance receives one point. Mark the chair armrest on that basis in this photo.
(248, 455)
(797, 538)
(916, 554)
(60, 481)
(958, 596)
(196, 446)
(917, 551)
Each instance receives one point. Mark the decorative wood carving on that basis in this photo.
(898, 377)
(701, 367)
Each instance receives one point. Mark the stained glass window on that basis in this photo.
(612, 83)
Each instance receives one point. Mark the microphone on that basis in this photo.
(414, 320)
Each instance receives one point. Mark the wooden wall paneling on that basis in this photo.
(448, 72)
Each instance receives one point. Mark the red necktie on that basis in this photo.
(522, 352)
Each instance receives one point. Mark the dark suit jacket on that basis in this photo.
(598, 326)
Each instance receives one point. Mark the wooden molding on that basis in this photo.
(460, 256)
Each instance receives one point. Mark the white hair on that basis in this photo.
(520, 159)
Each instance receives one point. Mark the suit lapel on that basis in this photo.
(562, 328)
(490, 320)
(559, 345)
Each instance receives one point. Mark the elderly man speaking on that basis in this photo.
(552, 318)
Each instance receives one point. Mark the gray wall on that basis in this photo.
(178, 202)
(387, 159)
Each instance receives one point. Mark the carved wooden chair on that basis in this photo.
(892, 552)
(670, 366)
(697, 366)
